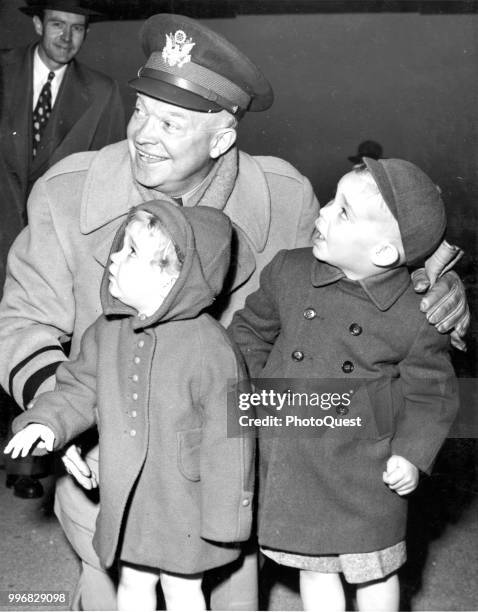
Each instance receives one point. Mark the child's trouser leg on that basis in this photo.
(321, 591)
(380, 595)
(182, 592)
(77, 515)
(137, 588)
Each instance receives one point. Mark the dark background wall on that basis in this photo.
(408, 80)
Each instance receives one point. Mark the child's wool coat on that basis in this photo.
(321, 492)
(173, 487)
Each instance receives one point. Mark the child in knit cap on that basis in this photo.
(332, 503)
(152, 374)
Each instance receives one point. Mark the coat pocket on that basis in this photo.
(189, 445)
(373, 403)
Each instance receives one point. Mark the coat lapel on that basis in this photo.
(18, 92)
(249, 209)
(109, 192)
(249, 206)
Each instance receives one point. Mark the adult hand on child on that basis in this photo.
(23, 441)
(401, 475)
(445, 302)
(78, 468)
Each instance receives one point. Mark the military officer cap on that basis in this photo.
(35, 7)
(415, 202)
(191, 66)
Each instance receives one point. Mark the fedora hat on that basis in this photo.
(35, 7)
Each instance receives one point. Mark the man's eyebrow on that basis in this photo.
(175, 113)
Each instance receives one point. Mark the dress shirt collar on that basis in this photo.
(40, 77)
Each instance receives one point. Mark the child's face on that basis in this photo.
(144, 270)
(351, 226)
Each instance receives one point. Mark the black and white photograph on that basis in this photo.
(238, 305)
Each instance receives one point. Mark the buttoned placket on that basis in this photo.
(140, 343)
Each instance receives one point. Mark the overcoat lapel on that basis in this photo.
(18, 84)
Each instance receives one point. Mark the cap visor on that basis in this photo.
(384, 185)
(173, 95)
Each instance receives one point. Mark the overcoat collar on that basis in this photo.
(110, 191)
(383, 290)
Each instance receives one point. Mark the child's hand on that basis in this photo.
(78, 468)
(401, 475)
(23, 441)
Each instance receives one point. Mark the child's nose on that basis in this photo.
(114, 257)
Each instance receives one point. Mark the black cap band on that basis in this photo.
(182, 83)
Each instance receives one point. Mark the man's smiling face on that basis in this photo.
(170, 146)
(62, 35)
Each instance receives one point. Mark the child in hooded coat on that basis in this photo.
(152, 374)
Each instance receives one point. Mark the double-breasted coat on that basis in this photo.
(322, 492)
(87, 115)
(171, 478)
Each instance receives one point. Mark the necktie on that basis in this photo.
(42, 112)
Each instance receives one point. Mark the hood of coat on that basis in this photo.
(203, 237)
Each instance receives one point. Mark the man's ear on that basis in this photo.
(222, 141)
(38, 25)
(385, 255)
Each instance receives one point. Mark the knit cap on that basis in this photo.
(415, 202)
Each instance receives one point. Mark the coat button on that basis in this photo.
(134, 414)
(132, 433)
(297, 355)
(347, 367)
(135, 396)
(141, 344)
(355, 329)
(342, 410)
(137, 359)
(246, 502)
(309, 314)
(135, 378)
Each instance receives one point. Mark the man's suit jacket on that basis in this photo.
(87, 115)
